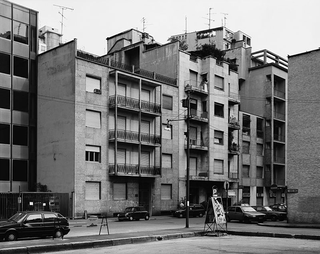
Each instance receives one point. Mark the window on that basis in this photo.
(5, 63)
(218, 167)
(20, 32)
(93, 191)
(167, 160)
(20, 170)
(259, 172)
(218, 109)
(193, 165)
(145, 158)
(218, 82)
(259, 150)
(246, 125)
(4, 98)
(166, 132)
(93, 119)
(259, 128)
(119, 191)
(245, 171)
(20, 67)
(5, 28)
(4, 134)
(166, 191)
(145, 95)
(93, 85)
(34, 218)
(218, 137)
(93, 153)
(20, 101)
(167, 102)
(245, 147)
(246, 195)
(4, 169)
(20, 135)
(193, 78)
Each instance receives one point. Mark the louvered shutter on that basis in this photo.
(145, 158)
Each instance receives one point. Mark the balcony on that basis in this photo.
(233, 175)
(278, 137)
(196, 144)
(233, 98)
(200, 89)
(234, 149)
(134, 170)
(127, 68)
(134, 104)
(279, 159)
(202, 176)
(233, 123)
(279, 115)
(197, 116)
(133, 137)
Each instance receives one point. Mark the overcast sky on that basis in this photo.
(285, 27)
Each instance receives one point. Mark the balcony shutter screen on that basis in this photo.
(92, 148)
(145, 95)
(193, 166)
(145, 127)
(218, 166)
(122, 89)
(121, 123)
(121, 156)
(166, 190)
(145, 158)
(92, 83)
(167, 102)
(93, 119)
(166, 160)
(193, 78)
(119, 191)
(193, 133)
(218, 82)
(92, 190)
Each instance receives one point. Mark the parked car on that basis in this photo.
(34, 224)
(244, 213)
(195, 210)
(134, 213)
(279, 207)
(271, 214)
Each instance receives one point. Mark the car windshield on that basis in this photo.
(17, 217)
(248, 209)
(128, 209)
(268, 208)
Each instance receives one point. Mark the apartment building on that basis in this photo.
(303, 193)
(18, 97)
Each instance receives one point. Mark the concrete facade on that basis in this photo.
(303, 138)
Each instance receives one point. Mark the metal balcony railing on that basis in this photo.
(280, 138)
(134, 136)
(151, 107)
(234, 123)
(133, 169)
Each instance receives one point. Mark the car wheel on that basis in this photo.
(11, 236)
(131, 218)
(147, 217)
(58, 234)
(274, 218)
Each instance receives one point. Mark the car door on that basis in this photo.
(238, 214)
(32, 226)
(50, 222)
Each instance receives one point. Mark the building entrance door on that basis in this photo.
(144, 195)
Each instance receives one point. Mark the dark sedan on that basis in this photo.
(34, 224)
(134, 213)
(244, 213)
(271, 214)
(195, 210)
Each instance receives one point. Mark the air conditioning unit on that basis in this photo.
(97, 91)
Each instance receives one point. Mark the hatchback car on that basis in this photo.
(279, 207)
(271, 214)
(244, 214)
(195, 210)
(134, 213)
(34, 224)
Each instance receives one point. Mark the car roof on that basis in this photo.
(28, 212)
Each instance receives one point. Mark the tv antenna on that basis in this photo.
(62, 8)
(210, 17)
(224, 23)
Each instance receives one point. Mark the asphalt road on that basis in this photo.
(213, 245)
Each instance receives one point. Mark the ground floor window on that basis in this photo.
(166, 191)
(119, 191)
(93, 190)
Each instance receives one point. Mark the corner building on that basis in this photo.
(18, 97)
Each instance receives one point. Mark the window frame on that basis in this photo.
(122, 185)
(219, 109)
(164, 102)
(217, 139)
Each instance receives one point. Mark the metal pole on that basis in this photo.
(188, 161)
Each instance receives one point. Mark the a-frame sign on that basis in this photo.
(215, 217)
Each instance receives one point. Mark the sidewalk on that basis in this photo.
(267, 229)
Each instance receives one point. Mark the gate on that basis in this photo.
(10, 203)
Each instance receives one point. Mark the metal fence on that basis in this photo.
(10, 203)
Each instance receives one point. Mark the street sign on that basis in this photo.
(226, 185)
(292, 190)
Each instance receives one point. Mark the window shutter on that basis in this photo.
(122, 90)
(92, 148)
(145, 95)
(121, 156)
(166, 160)
(93, 119)
(121, 123)
(145, 158)
(119, 191)
(92, 190)
(218, 166)
(218, 82)
(145, 127)
(166, 190)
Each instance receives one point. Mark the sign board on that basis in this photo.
(231, 193)
(292, 190)
(215, 213)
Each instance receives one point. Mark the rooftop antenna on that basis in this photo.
(224, 18)
(210, 17)
(186, 25)
(62, 17)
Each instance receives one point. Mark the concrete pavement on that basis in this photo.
(267, 229)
